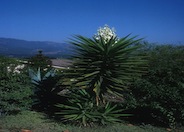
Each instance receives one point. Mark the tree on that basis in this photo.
(40, 61)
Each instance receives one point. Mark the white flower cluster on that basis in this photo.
(17, 69)
(105, 33)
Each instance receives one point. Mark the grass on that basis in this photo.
(37, 122)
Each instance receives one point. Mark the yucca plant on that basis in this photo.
(80, 108)
(105, 64)
(110, 113)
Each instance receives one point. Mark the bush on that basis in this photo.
(40, 61)
(45, 90)
(80, 109)
(159, 94)
(15, 87)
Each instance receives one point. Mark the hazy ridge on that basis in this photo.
(22, 48)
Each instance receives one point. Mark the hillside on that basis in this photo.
(22, 48)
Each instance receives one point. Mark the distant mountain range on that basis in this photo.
(22, 48)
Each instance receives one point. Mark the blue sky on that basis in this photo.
(159, 21)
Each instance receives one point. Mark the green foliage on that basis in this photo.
(80, 109)
(36, 77)
(45, 90)
(102, 65)
(40, 61)
(160, 92)
(15, 87)
(110, 113)
(105, 67)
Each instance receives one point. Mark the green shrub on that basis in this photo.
(159, 94)
(40, 61)
(45, 90)
(45, 81)
(15, 87)
(81, 109)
